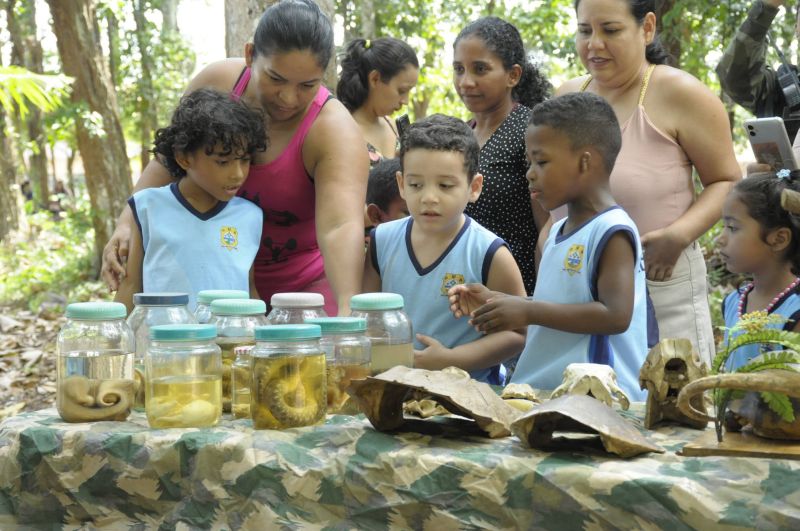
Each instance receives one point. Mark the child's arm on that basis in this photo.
(131, 283)
(372, 279)
(253, 291)
(504, 278)
(610, 314)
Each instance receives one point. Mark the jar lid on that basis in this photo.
(297, 300)
(164, 298)
(238, 307)
(95, 311)
(376, 301)
(338, 325)
(207, 296)
(183, 332)
(288, 332)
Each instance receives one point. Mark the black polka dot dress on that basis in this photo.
(504, 206)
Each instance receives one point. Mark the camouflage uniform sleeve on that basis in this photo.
(743, 72)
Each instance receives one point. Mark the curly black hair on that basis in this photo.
(382, 184)
(208, 119)
(442, 133)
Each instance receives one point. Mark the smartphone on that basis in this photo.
(770, 143)
(402, 123)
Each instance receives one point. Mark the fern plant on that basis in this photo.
(755, 331)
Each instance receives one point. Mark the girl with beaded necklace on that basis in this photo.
(761, 239)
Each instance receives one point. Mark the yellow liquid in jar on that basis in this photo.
(226, 345)
(384, 356)
(94, 386)
(288, 391)
(240, 392)
(340, 375)
(139, 387)
(184, 401)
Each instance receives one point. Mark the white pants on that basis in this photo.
(681, 303)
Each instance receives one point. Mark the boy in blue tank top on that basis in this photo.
(590, 302)
(437, 247)
(196, 234)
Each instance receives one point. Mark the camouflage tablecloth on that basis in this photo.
(344, 474)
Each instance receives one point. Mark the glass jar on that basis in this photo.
(347, 358)
(153, 309)
(241, 381)
(295, 308)
(388, 329)
(202, 312)
(183, 374)
(94, 370)
(288, 377)
(236, 321)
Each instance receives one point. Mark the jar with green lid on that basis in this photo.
(388, 329)
(202, 312)
(295, 308)
(236, 321)
(183, 374)
(241, 381)
(94, 370)
(151, 309)
(288, 377)
(347, 358)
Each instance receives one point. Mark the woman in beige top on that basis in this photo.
(671, 123)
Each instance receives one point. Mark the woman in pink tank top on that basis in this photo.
(311, 180)
(671, 123)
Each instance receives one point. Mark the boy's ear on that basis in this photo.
(586, 159)
(399, 177)
(475, 187)
(779, 239)
(374, 214)
(182, 159)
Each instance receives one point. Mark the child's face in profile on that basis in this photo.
(554, 166)
(436, 189)
(740, 242)
(214, 176)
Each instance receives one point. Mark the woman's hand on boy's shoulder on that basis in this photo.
(501, 312)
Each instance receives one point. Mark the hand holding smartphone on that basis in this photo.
(770, 143)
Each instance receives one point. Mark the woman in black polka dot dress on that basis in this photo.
(498, 84)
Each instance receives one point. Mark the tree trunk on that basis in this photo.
(169, 13)
(27, 53)
(147, 97)
(112, 29)
(368, 19)
(9, 211)
(241, 19)
(105, 161)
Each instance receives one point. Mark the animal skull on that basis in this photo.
(599, 381)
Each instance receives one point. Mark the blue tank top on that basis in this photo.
(467, 259)
(788, 307)
(568, 275)
(188, 251)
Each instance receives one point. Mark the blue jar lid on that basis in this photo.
(288, 332)
(376, 301)
(183, 332)
(207, 296)
(164, 298)
(338, 325)
(238, 307)
(96, 311)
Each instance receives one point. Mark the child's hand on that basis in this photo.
(501, 313)
(466, 298)
(433, 357)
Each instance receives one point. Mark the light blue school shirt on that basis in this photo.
(189, 251)
(466, 260)
(568, 274)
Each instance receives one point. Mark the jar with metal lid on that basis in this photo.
(153, 309)
(288, 377)
(295, 308)
(241, 381)
(236, 321)
(202, 312)
(388, 329)
(347, 358)
(94, 371)
(183, 374)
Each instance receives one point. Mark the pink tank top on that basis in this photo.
(652, 178)
(288, 258)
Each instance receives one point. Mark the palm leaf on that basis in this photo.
(23, 88)
(780, 404)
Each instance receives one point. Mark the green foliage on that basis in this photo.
(780, 404)
(53, 255)
(23, 87)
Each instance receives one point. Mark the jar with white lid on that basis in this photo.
(295, 308)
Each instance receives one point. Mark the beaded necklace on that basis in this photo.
(749, 287)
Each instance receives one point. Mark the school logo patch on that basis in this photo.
(229, 238)
(573, 262)
(450, 280)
